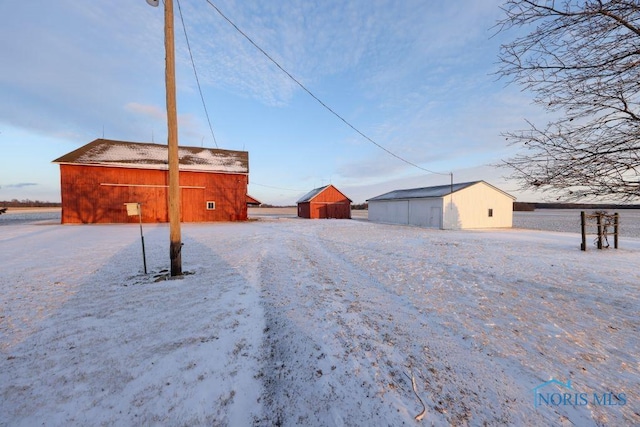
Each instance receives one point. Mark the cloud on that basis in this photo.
(189, 127)
(150, 111)
(445, 133)
(377, 42)
(102, 55)
(359, 192)
(74, 64)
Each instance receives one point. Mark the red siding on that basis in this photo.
(95, 194)
(330, 210)
(329, 203)
(304, 210)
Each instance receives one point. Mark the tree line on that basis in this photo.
(27, 203)
(532, 206)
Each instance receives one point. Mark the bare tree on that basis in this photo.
(581, 59)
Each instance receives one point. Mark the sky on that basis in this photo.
(417, 77)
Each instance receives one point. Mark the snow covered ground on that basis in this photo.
(284, 321)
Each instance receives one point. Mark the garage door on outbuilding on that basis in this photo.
(476, 204)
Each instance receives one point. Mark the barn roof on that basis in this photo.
(105, 152)
(429, 192)
(313, 193)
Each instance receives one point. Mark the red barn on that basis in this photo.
(324, 202)
(100, 177)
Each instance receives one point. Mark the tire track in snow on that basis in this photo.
(369, 337)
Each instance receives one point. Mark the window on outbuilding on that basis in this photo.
(211, 206)
(490, 212)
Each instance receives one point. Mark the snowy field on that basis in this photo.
(284, 321)
(568, 220)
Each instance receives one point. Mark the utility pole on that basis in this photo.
(175, 248)
(175, 243)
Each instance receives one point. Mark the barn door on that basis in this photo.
(332, 211)
(192, 205)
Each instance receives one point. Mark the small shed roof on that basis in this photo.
(313, 193)
(253, 201)
(105, 152)
(430, 192)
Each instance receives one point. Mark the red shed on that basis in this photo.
(324, 202)
(100, 177)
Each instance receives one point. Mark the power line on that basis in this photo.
(315, 97)
(184, 27)
(277, 188)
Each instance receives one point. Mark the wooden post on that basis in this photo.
(175, 243)
(599, 224)
(615, 230)
(583, 225)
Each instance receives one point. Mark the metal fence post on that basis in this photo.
(144, 256)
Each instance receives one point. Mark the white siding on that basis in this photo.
(420, 212)
(392, 211)
(470, 208)
(466, 208)
(426, 212)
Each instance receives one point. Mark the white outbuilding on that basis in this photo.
(474, 204)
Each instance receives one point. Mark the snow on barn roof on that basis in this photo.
(427, 192)
(313, 193)
(105, 152)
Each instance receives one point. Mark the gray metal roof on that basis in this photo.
(429, 192)
(311, 194)
(105, 152)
